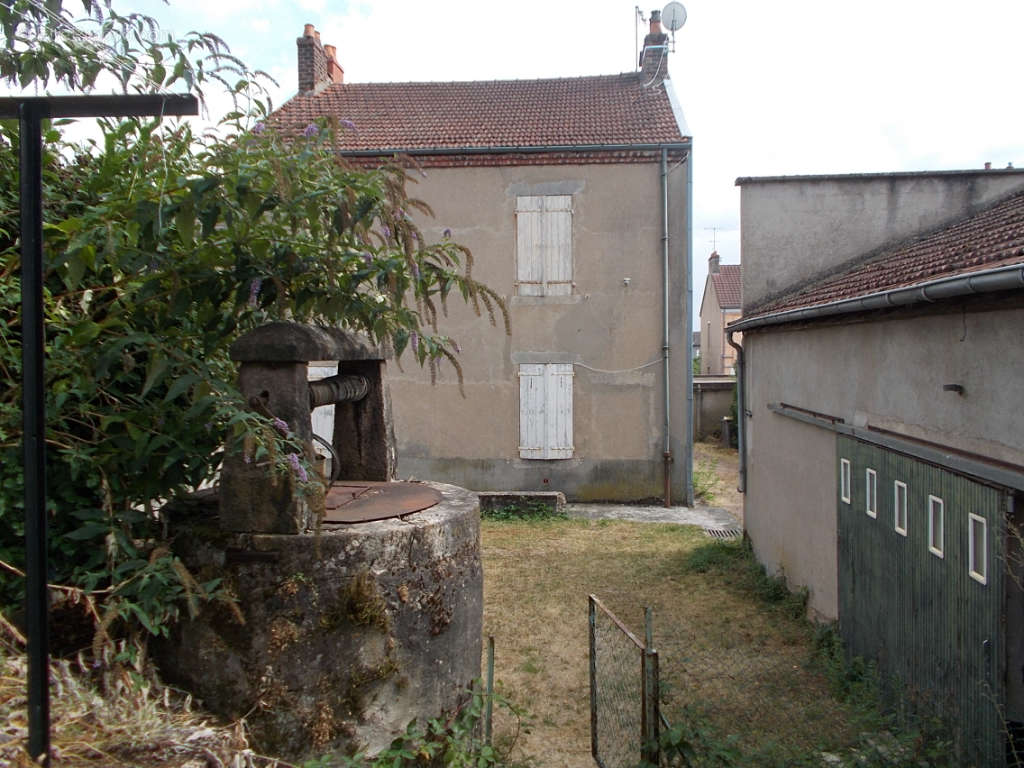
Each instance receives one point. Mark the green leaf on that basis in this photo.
(180, 385)
(154, 372)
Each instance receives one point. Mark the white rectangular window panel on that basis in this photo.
(899, 505)
(936, 522)
(977, 546)
(844, 479)
(545, 411)
(871, 492)
(544, 245)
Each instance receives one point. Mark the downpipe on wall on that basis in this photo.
(667, 455)
(741, 411)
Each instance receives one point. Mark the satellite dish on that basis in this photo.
(673, 16)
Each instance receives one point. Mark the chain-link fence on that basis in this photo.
(624, 708)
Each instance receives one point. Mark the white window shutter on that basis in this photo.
(544, 245)
(545, 411)
(559, 411)
(531, 411)
(558, 242)
(529, 241)
(323, 416)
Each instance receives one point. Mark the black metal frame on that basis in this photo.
(31, 111)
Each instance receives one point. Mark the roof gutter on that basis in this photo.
(685, 145)
(987, 281)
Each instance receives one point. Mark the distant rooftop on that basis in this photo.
(728, 282)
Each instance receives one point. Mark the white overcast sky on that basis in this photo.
(768, 88)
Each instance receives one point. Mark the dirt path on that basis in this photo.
(723, 464)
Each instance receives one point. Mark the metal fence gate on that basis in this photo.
(922, 571)
(624, 708)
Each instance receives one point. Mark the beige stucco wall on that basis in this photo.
(799, 228)
(717, 356)
(885, 373)
(612, 322)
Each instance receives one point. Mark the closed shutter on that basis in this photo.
(544, 245)
(545, 411)
(559, 411)
(323, 416)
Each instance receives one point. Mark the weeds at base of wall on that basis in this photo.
(884, 741)
(526, 511)
(454, 741)
(705, 480)
(733, 562)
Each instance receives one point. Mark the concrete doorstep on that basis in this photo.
(706, 517)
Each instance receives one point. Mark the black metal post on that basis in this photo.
(34, 422)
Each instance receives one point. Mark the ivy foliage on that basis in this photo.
(161, 247)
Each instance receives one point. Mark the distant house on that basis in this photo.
(882, 381)
(571, 195)
(721, 305)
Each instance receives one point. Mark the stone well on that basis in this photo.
(347, 636)
(337, 634)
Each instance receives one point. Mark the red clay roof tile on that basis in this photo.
(611, 109)
(728, 283)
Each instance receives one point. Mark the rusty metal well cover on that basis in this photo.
(365, 501)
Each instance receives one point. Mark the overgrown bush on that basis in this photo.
(161, 247)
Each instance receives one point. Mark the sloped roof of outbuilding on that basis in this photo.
(983, 242)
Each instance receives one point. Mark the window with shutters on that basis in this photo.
(544, 245)
(545, 411)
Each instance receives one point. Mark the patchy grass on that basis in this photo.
(731, 640)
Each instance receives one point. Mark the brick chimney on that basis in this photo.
(654, 56)
(334, 71)
(713, 263)
(318, 64)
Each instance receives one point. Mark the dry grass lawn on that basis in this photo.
(748, 661)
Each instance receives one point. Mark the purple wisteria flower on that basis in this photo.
(415, 271)
(415, 341)
(254, 290)
(259, 128)
(386, 230)
(348, 124)
(247, 458)
(458, 349)
(311, 130)
(297, 467)
(367, 258)
(415, 235)
(447, 234)
(281, 425)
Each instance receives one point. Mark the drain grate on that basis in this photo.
(723, 533)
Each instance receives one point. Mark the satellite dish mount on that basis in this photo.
(673, 16)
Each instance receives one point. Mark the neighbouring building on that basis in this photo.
(720, 306)
(571, 194)
(882, 382)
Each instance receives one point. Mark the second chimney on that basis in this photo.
(713, 260)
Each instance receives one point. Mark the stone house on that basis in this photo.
(573, 196)
(882, 444)
(720, 306)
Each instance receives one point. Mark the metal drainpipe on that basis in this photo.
(688, 344)
(667, 455)
(741, 412)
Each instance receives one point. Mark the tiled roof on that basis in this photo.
(992, 238)
(612, 109)
(728, 282)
